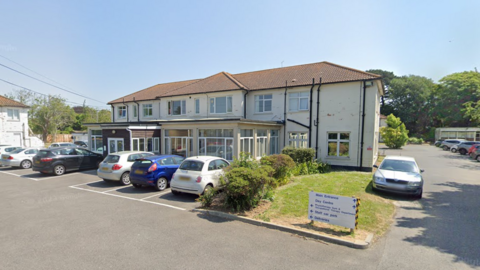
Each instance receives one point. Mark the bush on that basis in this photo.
(244, 187)
(414, 140)
(206, 199)
(299, 155)
(282, 166)
(245, 161)
(395, 135)
(308, 168)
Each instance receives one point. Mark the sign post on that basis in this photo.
(333, 209)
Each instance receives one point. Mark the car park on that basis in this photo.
(65, 159)
(155, 171)
(116, 166)
(63, 144)
(447, 144)
(198, 174)
(21, 157)
(399, 174)
(463, 147)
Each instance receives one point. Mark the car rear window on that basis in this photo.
(17, 151)
(112, 159)
(191, 165)
(142, 163)
(44, 153)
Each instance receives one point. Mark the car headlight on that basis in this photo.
(414, 184)
(378, 179)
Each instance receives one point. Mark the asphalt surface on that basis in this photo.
(76, 221)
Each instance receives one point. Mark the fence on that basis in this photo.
(59, 138)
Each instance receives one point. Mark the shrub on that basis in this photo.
(245, 161)
(206, 199)
(282, 166)
(299, 155)
(308, 168)
(414, 140)
(395, 135)
(244, 187)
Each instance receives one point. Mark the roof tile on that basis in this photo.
(6, 102)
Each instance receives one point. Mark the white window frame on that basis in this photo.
(260, 99)
(183, 107)
(274, 146)
(296, 98)
(154, 140)
(122, 112)
(246, 143)
(135, 112)
(228, 105)
(298, 139)
(197, 106)
(338, 141)
(147, 110)
(13, 114)
(262, 144)
(117, 142)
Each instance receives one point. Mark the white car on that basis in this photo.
(116, 166)
(21, 157)
(399, 174)
(198, 174)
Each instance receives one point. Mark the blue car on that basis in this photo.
(155, 171)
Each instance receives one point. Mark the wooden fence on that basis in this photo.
(60, 138)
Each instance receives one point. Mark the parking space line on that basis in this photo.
(11, 173)
(157, 194)
(133, 199)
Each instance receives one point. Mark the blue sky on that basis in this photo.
(107, 49)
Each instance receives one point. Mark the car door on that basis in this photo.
(220, 164)
(169, 166)
(71, 159)
(88, 160)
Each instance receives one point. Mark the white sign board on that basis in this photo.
(333, 209)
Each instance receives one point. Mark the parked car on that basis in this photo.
(116, 166)
(463, 147)
(473, 149)
(65, 159)
(66, 144)
(217, 151)
(399, 174)
(198, 174)
(21, 157)
(6, 148)
(476, 154)
(154, 171)
(438, 143)
(81, 144)
(446, 144)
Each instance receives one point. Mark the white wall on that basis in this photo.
(11, 130)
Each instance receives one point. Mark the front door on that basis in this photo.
(115, 145)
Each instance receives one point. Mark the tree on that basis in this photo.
(410, 98)
(387, 77)
(395, 135)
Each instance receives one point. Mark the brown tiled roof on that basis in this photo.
(6, 102)
(257, 80)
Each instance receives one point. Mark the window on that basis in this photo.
(221, 105)
(146, 144)
(216, 142)
(122, 111)
(147, 110)
(261, 142)
(13, 114)
(274, 142)
(338, 144)
(96, 144)
(179, 142)
(298, 101)
(197, 106)
(135, 111)
(246, 141)
(178, 107)
(263, 103)
(298, 139)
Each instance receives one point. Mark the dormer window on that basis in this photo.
(122, 111)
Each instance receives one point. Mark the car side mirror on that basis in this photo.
(375, 166)
(422, 171)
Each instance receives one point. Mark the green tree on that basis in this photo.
(387, 77)
(410, 98)
(395, 135)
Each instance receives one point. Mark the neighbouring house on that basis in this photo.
(383, 123)
(14, 129)
(467, 133)
(330, 108)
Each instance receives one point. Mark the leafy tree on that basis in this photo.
(410, 98)
(395, 135)
(387, 77)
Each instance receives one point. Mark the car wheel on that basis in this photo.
(207, 188)
(136, 185)
(419, 195)
(462, 151)
(125, 178)
(453, 150)
(162, 184)
(59, 170)
(478, 158)
(26, 164)
(176, 193)
(445, 148)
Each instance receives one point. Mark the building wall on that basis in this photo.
(11, 130)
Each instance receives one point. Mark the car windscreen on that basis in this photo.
(44, 153)
(191, 165)
(112, 159)
(399, 165)
(17, 151)
(142, 163)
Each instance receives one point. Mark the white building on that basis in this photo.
(330, 108)
(14, 124)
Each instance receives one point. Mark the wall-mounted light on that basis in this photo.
(113, 131)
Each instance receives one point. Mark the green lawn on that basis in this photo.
(291, 201)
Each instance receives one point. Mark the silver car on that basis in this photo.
(21, 157)
(399, 174)
(116, 166)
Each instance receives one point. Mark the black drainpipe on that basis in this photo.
(318, 113)
(113, 113)
(125, 107)
(245, 104)
(285, 117)
(138, 109)
(310, 119)
(363, 125)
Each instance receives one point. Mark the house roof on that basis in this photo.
(6, 102)
(300, 75)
